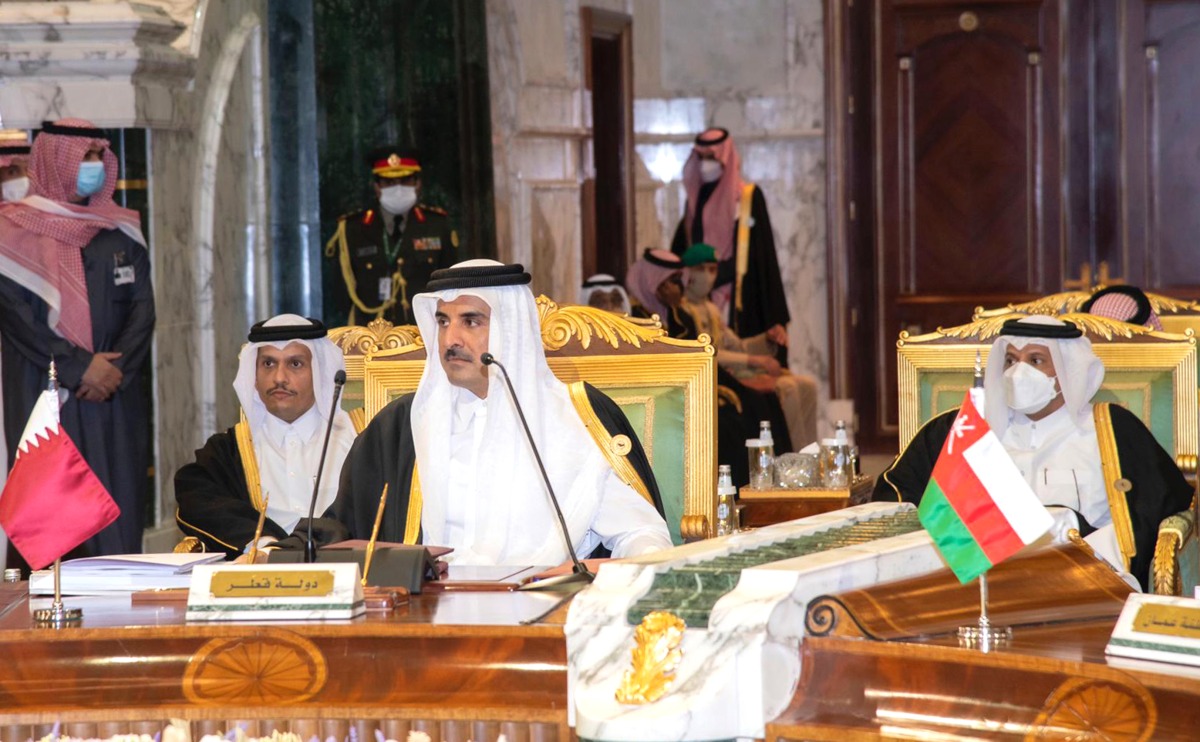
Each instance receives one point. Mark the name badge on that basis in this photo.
(428, 243)
(123, 274)
(368, 251)
(385, 289)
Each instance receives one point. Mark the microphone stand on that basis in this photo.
(310, 547)
(579, 572)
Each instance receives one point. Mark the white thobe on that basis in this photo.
(288, 455)
(1060, 459)
(624, 520)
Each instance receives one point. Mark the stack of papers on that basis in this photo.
(121, 573)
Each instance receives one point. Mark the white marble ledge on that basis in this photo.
(77, 60)
(742, 669)
(618, 586)
(26, 103)
(108, 22)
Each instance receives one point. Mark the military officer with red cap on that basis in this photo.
(386, 253)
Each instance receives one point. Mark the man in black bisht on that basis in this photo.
(387, 253)
(1096, 466)
(725, 211)
(454, 456)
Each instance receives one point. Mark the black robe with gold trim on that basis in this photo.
(1143, 483)
(764, 302)
(214, 500)
(219, 501)
(385, 454)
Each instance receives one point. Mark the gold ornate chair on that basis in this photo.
(666, 387)
(1153, 374)
(357, 342)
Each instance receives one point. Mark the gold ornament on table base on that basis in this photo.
(653, 660)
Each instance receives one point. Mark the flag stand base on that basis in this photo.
(985, 637)
(57, 615)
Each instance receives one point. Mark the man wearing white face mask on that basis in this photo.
(1096, 466)
(730, 214)
(75, 287)
(387, 253)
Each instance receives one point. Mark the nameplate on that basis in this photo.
(1161, 628)
(269, 583)
(286, 592)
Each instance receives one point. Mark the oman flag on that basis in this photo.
(52, 501)
(977, 506)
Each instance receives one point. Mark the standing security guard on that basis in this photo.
(388, 253)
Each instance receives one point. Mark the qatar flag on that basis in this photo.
(52, 501)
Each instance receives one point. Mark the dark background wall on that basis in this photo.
(409, 73)
(348, 76)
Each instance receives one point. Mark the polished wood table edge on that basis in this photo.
(314, 712)
(360, 629)
(819, 732)
(394, 624)
(1028, 653)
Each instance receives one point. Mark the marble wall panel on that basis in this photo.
(806, 71)
(548, 158)
(554, 219)
(546, 108)
(719, 46)
(541, 25)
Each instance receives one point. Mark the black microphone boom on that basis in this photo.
(579, 569)
(310, 547)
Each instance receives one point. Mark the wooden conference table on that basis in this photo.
(877, 664)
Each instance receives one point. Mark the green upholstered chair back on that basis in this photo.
(666, 387)
(1152, 374)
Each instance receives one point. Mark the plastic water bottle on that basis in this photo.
(726, 505)
(764, 435)
(838, 467)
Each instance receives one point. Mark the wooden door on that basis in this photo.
(1016, 145)
(1158, 246)
(967, 155)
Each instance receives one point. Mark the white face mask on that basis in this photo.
(15, 189)
(711, 170)
(699, 284)
(1028, 390)
(398, 199)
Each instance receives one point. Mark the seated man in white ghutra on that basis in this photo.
(459, 469)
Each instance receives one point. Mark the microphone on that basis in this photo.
(310, 547)
(580, 572)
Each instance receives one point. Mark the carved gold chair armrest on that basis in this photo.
(1176, 567)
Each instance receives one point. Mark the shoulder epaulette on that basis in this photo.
(435, 210)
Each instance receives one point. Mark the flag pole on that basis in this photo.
(985, 637)
(57, 615)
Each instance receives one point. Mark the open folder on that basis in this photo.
(121, 573)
